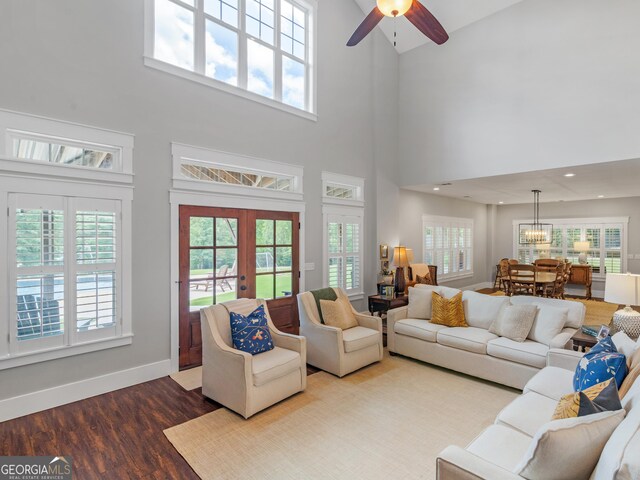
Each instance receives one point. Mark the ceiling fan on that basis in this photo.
(415, 12)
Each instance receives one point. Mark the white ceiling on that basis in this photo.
(611, 180)
(452, 14)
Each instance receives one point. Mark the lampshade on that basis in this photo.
(400, 258)
(622, 289)
(581, 246)
(388, 7)
(410, 255)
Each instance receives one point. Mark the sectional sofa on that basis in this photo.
(474, 350)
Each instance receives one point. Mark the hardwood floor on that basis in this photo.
(117, 435)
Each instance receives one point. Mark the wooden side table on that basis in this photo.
(582, 275)
(381, 304)
(582, 341)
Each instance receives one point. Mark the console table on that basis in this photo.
(582, 275)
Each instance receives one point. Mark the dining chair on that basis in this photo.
(502, 275)
(522, 279)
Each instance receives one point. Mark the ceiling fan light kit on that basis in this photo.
(413, 10)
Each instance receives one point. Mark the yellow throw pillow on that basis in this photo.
(569, 405)
(447, 311)
(338, 313)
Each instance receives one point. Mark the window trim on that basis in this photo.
(426, 218)
(194, 76)
(582, 223)
(347, 181)
(329, 211)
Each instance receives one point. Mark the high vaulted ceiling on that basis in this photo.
(588, 182)
(453, 14)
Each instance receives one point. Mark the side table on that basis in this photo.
(582, 341)
(381, 303)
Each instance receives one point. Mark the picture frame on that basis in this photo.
(603, 333)
(384, 251)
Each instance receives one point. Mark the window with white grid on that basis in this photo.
(448, 244)
(606, 237)
(259, 46)
(65, 272)
(343, 247)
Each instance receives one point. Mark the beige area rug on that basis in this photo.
(389, 420)
(598, 313)
(188, 379)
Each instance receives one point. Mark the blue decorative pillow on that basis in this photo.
(599, 365)
(251, 333)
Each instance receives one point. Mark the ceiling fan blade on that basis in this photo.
(424, 21)
(365, 27)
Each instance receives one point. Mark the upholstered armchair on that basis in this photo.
(334, 350)
(422, 269)
(243, 382)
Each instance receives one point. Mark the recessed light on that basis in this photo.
(500, 203)
(569, 174)
(600, 196)
(435, 189)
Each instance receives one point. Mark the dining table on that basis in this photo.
(540, 279)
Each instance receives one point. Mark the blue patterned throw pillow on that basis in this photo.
(251, 333)
(601, 363)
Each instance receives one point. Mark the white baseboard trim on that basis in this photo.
(72, 392)
(580, 291)
(478, 286)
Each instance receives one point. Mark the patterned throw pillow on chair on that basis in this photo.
(251, 333)
(602, 397)
(426, 280)
(600, 364)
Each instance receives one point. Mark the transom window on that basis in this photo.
(234, 177)
(261, 46)
(606, 238)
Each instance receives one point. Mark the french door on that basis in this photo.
(233, 253)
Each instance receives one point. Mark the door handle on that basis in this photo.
(243, 287)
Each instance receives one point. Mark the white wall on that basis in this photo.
(81, 61)
(615, 207)
(541, 84)
(415, 204)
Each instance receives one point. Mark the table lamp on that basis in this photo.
(624, 289)
(583, 248)
(400, 260)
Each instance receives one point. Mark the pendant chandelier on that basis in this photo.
(535, 233)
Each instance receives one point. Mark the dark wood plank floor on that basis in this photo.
(113, 436)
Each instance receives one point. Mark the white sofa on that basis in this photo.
(497, 451)
(474, 350)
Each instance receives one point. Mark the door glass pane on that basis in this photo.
(264, 232)
(283, 259)
(226, 232)
(284, 283)
(284, 234)
(264, 259)
(201, 232)
(265, 286)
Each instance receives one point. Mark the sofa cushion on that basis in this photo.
(620, 459)
(501, 446)
(273, 364)
(357, 338)
(528, 352)
(470, 339)
(514, 322)
(548, 323)
(448, 311)
(552, 382)
(446, 292)
(527, 413)
(481, 310)
(422, 329)
(602, 397)
(569, 448)
(576, 310)
(420, 300)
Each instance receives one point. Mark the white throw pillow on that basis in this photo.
(548, 323)
(481, 310)
(420, 302)
(514, 322)
(446, 292)
(624, 345)
(568, 449)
